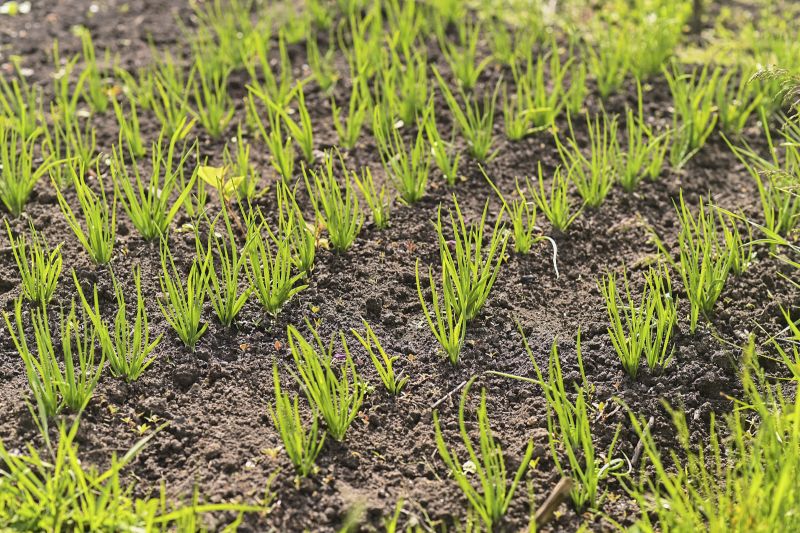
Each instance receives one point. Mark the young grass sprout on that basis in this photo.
(336, 206)
(125, 344)
(384, 364)
(301, 445)
(100, 217)
(336, 393)
(492, 496)
(642, 330)
(38, 265)
(182, 303)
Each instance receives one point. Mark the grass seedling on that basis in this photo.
(556, 206)
(405, 85)
(540, 100)
(281, 148)
(469, 268)
(39, 266)
(213, 107)
(642, 330)
(182, 303)
(321, 65)
(169, 100)
(302, 445)
(491, 497)
(18, 176)
(608, 63)
(713, 485)
(740, 249)
(270, 262)
(129, 133)
(595, 175)
(125, 344)
(378, 201)
(278, 87)
(462, 57)
(336, 393)
(42, 369)
(448, 323)
(78, 382)
(384, 364)
(302, 236)
(736, 100)
(645, 151)
(522, 213)
(404, 92)
(147, 203)
(299, 130)
(475, 120)
(336, 207)
(91, 83)
(224, 292)
(365, 52)
(695, 113)
(704, 262)
(238, 162)
(441, 150)
(568, 423)
(408, 168)
(349, 128)
(575, 95)
(20, 102)
(100, 217)
(780, 204)
(53, 389)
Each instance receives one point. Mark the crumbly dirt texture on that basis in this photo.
(219, 437)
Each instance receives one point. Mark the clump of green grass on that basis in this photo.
(349, 128)
(780, 203)
(337, 206)
(441, 150)
(38, 265)
(52, 388)
(213, 106)
(475, 119)
(470, 268)
(448, 323)
(384, 364)
(270, 263)
(301, 445)
(336, 392)
(593, 176)
(18, 176)
(642, 330)
(407, 167)
(556, 206)
(570, 432)
(378, 200)
(99, 215)
(704, 261)
(125, 343)
(183, 300)
(148, 201)
(462, 57)
(695, 111)
(646, 150)
(752, 451)
(280, 146)
(224, 288)
(491, 496)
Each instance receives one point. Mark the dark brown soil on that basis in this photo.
(219, 436)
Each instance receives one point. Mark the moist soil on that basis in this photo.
(219, 436)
